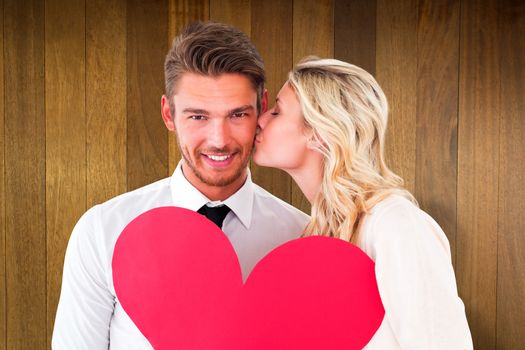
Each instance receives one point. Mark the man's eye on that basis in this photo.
(239, 115)
(274, 113)
(198, 117)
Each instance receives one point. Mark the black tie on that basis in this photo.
(215, 214)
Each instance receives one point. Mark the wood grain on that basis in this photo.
(105, 99)
(308, 39)
(181, 13)
(437, 112)
(147, 137)
(272, 32)
(355, 33)
(396, 71)
(510, 324)
(478, 159)
(236, 13)
(25, 174)
(3, 290)
(65, 135)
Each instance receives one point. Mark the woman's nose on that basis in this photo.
(263, 120)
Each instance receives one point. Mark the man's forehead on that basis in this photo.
(214, 93)
(221, 83)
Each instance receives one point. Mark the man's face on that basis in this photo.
(215, 120)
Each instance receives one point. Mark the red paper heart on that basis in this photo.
(178, 278)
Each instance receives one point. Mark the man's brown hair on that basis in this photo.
(212, 49)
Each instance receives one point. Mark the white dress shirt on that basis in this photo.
(415, 279)
(89, 314)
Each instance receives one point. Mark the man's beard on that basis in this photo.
(214, 180)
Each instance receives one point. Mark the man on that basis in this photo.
(214, 94)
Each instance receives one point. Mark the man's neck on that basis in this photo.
(214, 193)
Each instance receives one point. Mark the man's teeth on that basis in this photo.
(219, 158)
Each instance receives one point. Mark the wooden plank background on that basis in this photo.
(510, 322)
(436, 122)
(25, 182)
(80, 86)
(355, 33)
(480, 119)
(3, 285)
(147, 140)
(65, 111)
(106, 111)
(396, 69)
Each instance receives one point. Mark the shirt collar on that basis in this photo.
(185, 195)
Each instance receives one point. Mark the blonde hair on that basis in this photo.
(348, 112)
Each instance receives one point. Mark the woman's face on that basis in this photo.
(283, 138)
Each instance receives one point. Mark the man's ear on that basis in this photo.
(166, 113)
(264, 102)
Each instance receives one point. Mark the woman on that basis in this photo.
(327, 131)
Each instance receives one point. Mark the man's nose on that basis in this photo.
(219, 135)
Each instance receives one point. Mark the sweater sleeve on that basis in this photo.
(416, 279)
(86, 303)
